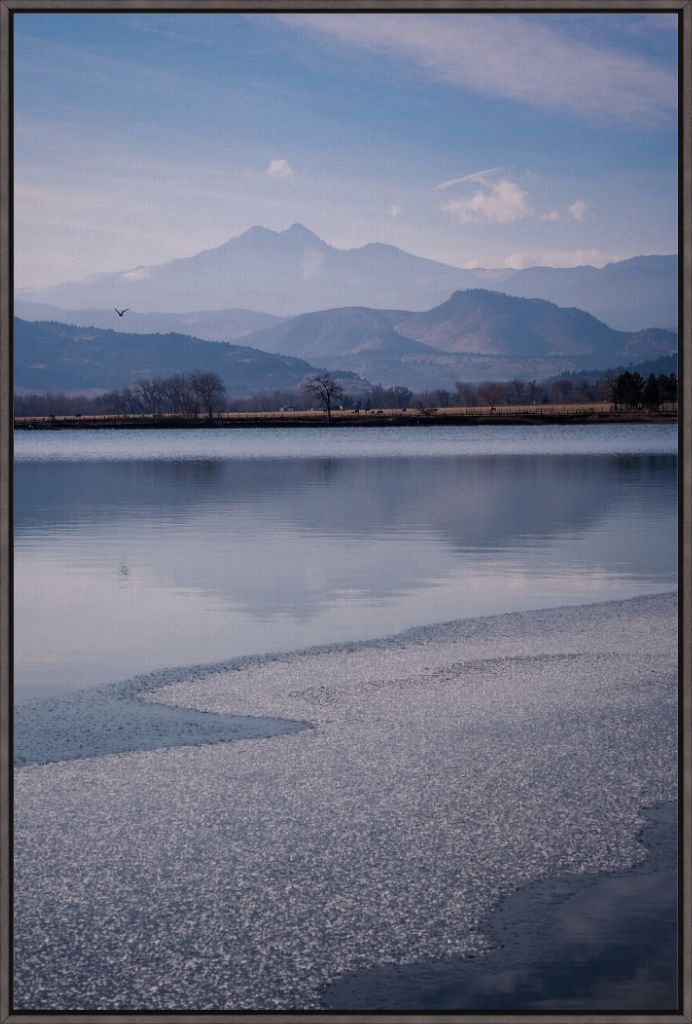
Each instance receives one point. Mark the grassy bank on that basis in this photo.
(510, 414)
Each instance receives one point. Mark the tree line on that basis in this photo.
(632, 391)
(203, 393)
(192, 394)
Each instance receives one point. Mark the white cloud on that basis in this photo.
(513, 56)
(279, 169)
(476, 176)
(496, 202)
(577, 210)
(499, 202)
(138, 274)
(394, 211)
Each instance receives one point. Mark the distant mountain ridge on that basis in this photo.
(286, 273)
(281, 273)
(663, 365)
(474, 335)
(629, 295)
(208, 325)
(54, 357)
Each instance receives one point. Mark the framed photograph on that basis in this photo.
(345, 525)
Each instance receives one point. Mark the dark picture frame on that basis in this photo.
(683, 10)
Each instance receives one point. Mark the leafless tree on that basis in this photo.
(516, 392)
(122, 401)
(208, 389)
(149, 394)
(490, 393)
(560, 391)
(179, 394)
(425, 409)
(465, 393)
(324, 389)
(533, 392)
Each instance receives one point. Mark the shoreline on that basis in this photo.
(506, 416)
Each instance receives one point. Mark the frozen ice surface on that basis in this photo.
(591, 942)
(447, 767)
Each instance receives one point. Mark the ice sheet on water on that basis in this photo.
(445, 768)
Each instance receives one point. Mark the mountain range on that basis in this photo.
(55, 357)
(208, 325)
(286, 273)
(474, 335)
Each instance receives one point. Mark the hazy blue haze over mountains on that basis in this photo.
(378, 312)
(209, 325)
(291, 272)
(61, 357)
(281, 273)
(629, 295)
(474, 335)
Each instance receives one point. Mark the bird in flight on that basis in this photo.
(120, 312)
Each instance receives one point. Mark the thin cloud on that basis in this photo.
(577, 210)
(560, 258)
(512, 56)
(476, 176)
(279, 169)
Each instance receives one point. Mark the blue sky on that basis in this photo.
(476, 139)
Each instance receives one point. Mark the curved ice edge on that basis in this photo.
(91, 726)
(472, 626)
(531, 965)
(113, 719)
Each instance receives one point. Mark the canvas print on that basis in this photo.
(345, 510)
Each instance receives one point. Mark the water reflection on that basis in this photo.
(127, 565)
(470, 501)
(603, 943)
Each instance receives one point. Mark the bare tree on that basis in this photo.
(180, 395)
(490, 393)
(426, 410)
(149, 393)
(465, 393)
(122, 401)
(325, 389)
(208, 389)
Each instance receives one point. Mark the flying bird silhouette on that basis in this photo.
(120, 312)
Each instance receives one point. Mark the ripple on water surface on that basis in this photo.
(597, 439)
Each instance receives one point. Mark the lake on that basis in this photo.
(449, 658)
(136, 551)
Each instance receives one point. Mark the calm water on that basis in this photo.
(142, 550)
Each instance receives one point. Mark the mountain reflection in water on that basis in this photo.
(130, 564)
